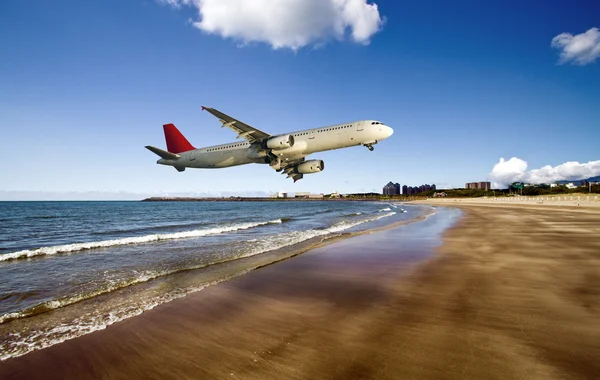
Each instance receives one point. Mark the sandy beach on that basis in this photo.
(512, 293)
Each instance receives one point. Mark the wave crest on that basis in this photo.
(75, 247)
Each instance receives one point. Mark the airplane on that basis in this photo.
(286, 153)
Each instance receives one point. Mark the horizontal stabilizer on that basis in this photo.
(162, 153)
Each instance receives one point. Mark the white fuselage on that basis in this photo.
(305, 142)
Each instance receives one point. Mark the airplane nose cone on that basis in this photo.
(387, 131)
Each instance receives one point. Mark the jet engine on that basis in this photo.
(280, 142)
(312, 166)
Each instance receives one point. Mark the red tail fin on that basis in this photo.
(176, 142)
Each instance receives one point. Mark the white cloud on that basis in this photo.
(289, 24)
(174, 3)
(579, 49)
(507, 171)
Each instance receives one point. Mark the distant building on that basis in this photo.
(307, 195)
(412, 190)
(391, 189)
(282, 194)
(478, 185)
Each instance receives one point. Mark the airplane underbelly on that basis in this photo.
(226, 159)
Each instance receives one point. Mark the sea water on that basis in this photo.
(70, 268)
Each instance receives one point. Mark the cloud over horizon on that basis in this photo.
(289, 24)
(506, 172)
(580, 49)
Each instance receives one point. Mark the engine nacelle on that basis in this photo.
(312, 166)
(280, 142)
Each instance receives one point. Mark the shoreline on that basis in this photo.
(577, 201)
(520, 301)
(587, 199)
(265, 199)
(250, 263)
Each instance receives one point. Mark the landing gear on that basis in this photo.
(276, 164)
(273, 161)
(369, 147)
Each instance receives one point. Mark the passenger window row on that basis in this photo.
(227, 147)
(334, 128)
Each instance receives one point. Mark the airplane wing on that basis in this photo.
(253, 135)
(242, 129)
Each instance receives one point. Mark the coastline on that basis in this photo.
(582, 201)
(513, 292)
(60, 324)
(264, 199)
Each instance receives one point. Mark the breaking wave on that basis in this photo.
(75, 247)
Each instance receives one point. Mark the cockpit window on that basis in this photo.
(376, 123)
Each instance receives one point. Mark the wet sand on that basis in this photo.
(513, 293)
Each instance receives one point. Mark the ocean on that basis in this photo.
(71, 268)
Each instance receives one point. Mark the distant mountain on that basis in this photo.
(594, 179)
(580, 181)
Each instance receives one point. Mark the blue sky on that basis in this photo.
(85, 85)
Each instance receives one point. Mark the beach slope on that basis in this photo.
(513, 293)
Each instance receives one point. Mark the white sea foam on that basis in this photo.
(67, 248)
(86, 324)
(349, 224)
(111, 286)
(385, 209)
(296, 237)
